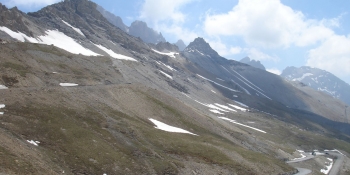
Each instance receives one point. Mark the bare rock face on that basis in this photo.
(14, 19)
(166, 46)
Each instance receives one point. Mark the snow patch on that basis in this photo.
(3, 87)
(225, 107)
(233, 121)
(68, 84)
(241, 104)
(302, 77)
(216, 111)
(18, 35)
(1, 113)
(53, 37)
(328, 167)
(165, 74)
(213, 91)
(170, 54)
(64, 42)
(36, 143)
(2, 106)
(113, 54)
(76, 29)
(165, 65)
(216, 83)
(168, 128)
(238, 108)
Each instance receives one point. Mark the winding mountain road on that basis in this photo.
(337, 164)
(303, 171)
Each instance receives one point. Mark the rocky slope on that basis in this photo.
(319, 80)
(107, 104)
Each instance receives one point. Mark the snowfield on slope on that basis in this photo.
(52, 37)
(3, 87)
(170, 54)
(216, 83)
(76, 29)
(113, 54)
(168, 128)
(238, 108)
(165, 74)
(216, 111)
(35, 143)
(68, 84)
(233, 121)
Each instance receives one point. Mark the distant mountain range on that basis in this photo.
(137, 28)
(253, 63)
(320, 80)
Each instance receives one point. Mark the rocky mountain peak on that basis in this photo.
(148, 35)
(181, 45)
(14, 20)
(253, 63)
(200, 45)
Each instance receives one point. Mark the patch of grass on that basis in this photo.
(74, 139)
(21, 70)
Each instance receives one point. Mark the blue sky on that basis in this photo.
(279, 33)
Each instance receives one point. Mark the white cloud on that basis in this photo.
(256, 54)
(179, 32)
(29, 3)
(274, 71)
(268, 24)
(332, 55)
(160, 10)
(223, 49)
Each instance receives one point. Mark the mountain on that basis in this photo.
(166, 47)
(320, 80)
(181, 45)
(256, 64)
(148, 35)
(115, 20)
(81, 96)
(137, 28)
